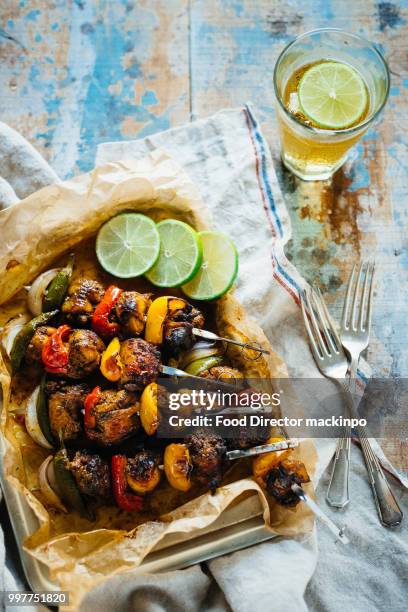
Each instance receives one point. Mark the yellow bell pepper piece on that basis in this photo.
(160, 311)
(143, 486)
(111, 365)
(149, 414)
(177, 466)
(263, 464)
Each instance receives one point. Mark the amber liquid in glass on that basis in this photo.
(316, 154)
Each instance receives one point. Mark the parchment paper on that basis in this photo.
(35, 233)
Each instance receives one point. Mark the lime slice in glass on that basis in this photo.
(332, 95)
(218, 269)
(128, 245)
(180, 254)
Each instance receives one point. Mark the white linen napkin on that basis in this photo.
(228, 159)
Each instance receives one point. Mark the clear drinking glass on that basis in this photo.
(314, 153)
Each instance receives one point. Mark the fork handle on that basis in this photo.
(338, 490)
(389, 512)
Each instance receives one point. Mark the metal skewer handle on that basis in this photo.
(337, 531)
(262, 448)
(203, 333)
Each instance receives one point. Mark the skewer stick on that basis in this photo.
(203, 333)
(262, 448)
(337, 531)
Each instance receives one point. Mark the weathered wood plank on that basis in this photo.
(363, 211)
(81, 72)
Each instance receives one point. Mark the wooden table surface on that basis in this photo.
(75, 73)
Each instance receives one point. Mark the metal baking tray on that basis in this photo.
(238, 527)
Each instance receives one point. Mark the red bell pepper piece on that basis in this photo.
(100, 318)
(126, 501)
(55, 351)
(90, 401)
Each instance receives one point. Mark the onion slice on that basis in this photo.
(10, 331)
(37, 290)
(199, 351)
(45, 478)
(31, 421)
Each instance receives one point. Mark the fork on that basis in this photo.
(355, 335)
(332, 361)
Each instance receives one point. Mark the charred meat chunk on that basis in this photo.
(65, 403)
(34, 349)
(142, 472)
(207, 453)
(280, 479)
(131, 310)
(92, 475)
(85, 349)
(115, 417)
(178, 334)
(178, 338)
(140, 364)
(83, 295)
(248, 437)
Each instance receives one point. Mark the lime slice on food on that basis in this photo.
(180, 254)
(332, 95)
(128, 245)
(218, 270)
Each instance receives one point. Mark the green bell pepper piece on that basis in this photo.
(58, 287)
(43, 416)
(23, 338)
(67, 487)
(205, 363)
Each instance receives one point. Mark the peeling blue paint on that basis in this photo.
(149, 98)
(32, 15)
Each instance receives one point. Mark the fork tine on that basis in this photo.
(362, 318)
(333, 335)
(353, 321)
(346, 307)
(370, 299)
(315, 323)
(322, 322)
(316, 353)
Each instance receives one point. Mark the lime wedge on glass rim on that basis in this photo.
(180, 254)
(128, 245)
(332, 95)
(218, 270)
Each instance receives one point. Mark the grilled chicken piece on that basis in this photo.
(131, 310)
(207, 453)
(140, 363)
(142, 472)
(178, 334)
(65, 403)
(116, 417)
(248, 437)
(34, 349)
(84, 353)
(83, 295)
(281, 478)
(92, 475)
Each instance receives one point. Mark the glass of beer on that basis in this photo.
(330, 87)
